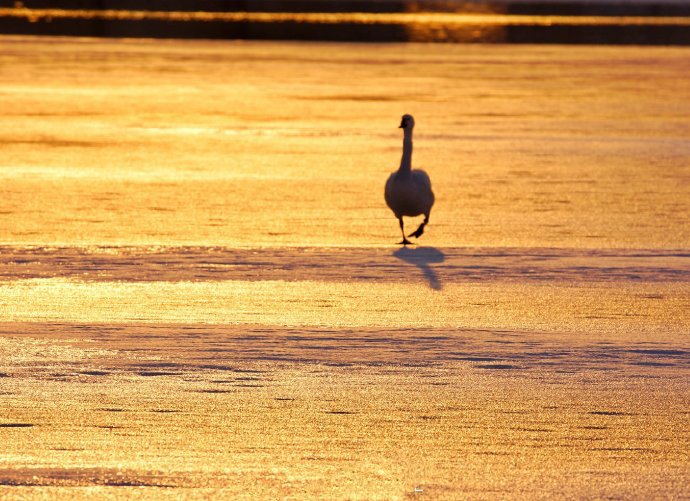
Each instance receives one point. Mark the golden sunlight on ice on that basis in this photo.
(633, 310)
(200, 295)
(124, 143)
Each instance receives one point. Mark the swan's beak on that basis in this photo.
(402, 125)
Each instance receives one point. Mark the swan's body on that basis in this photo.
(409, 194)
(408, 191)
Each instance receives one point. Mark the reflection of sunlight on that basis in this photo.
(248, 132)
(181, 130)
(274, 302)
(30, 173)
(440, 32)
(495, 305)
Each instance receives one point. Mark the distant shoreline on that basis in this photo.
(524, 21)
(553, 7)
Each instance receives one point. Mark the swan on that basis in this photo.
(408, 192)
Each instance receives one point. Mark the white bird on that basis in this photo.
(408, 191)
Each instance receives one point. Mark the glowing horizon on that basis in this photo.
(406, 18)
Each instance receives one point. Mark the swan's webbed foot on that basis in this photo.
(419, 232)
(405, 241)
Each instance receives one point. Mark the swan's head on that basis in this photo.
(407, 122)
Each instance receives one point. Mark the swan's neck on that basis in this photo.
(406, 161)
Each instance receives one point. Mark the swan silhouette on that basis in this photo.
(408, 192)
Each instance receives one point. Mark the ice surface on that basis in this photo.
(200, 295)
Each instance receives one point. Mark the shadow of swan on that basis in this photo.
(423, 258)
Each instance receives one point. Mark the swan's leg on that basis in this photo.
(405, 241)
(420, 230)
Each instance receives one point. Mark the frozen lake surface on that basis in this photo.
(199, 286)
